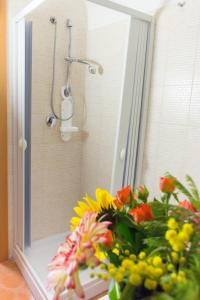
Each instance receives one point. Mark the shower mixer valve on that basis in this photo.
(51, 121)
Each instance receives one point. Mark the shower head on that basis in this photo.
(93, 66)
(92, 69)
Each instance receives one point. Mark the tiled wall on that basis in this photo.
(106, 45)
(55, 165)
(173, 129)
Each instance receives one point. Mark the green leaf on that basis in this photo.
(193, 187)
(128, 292)
(125, 218)
(113, 258)
(159, 208)
(114, 291)
(183, 190)
(125, 232)
(161, 296)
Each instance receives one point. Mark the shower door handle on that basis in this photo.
(122, 154)
(23, 144)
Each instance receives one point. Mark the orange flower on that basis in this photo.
(141, 213)
(141, 193)
(108, 239)
(187, 205)
(167, 184)
(123, 197)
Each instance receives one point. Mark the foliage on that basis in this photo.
(149, 249)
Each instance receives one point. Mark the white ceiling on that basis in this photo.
(148, 6)
(99, 16)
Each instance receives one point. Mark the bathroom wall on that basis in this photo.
(107, 45)
(55, 165)
(173, 130)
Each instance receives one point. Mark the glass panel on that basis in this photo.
(81, 84)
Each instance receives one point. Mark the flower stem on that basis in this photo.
(128, 292)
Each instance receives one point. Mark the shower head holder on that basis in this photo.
(53, 20)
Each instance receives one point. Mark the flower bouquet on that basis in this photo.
(147, 248)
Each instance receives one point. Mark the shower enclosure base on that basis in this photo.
(33, 264)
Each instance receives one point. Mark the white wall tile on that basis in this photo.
(173, 129)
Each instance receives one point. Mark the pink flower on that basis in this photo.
(78, 249)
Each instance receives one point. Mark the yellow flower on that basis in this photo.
(182, 260)
(112, 272)
(158, 272)
(127, 263)
(170, 234)
(174, 277)
(166, 287)
(170, 267)
(142, 255)
(175, 257)
(105, 277)
(150, 271)
(183, 236)
(116, 251)
(111, 266)
(150, 284)
(188, 228)
(74, 222)
(182, 273)
(132, 257)
(172, 224)
(134, 269)
(157, 261)
(135, 279)
(118, 277)
(127, 252)
(177, 245)
(142, 267)
(99, 253)
(102, 267)
(149, 260)
(104, 201)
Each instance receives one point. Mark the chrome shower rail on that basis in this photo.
(92, 65)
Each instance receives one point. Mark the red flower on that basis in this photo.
(123, 197)
(141, 193)
(167, 184)
(108, 239)
(141, 213)
(187, 205)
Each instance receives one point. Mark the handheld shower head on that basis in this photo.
(92, 69)
(93, 66)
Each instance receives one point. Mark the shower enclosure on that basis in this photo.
(82, 76)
